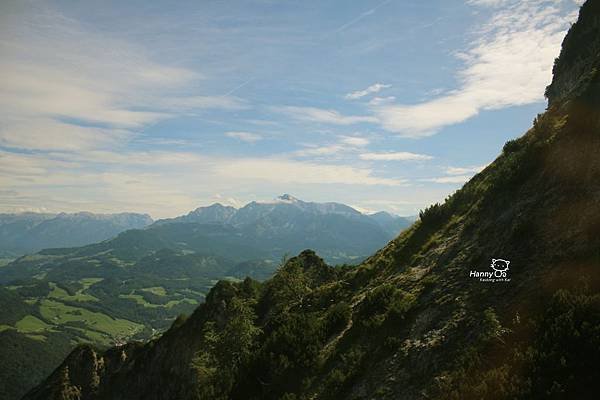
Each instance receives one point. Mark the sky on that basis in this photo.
(162, 107)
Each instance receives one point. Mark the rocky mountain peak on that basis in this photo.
(288, 198)
(576, 71)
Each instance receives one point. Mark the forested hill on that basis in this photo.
(412, 322)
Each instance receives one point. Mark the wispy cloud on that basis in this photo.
(23, 167)
(146, 181)
(487, 3)
(319, 151)
(450, 179)
(508, 64)
(344, 144)
(361, 16)
(238, 87)
(320, 115)
(395, 156)
(183, 104)
(65, 86)
(295, 172)
(375, 88)
(457, 175)
(355, 141)
(380, 101)
(464, 170)
(244, 136)
(52, 135)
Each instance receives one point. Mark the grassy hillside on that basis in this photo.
(53, 302)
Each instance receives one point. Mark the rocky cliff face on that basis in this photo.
(412, 321)
(577, 68)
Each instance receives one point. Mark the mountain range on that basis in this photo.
(133, 285)
(417, 319)
(339, 232)
(29, 232)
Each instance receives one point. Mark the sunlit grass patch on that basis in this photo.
(39, 338)
(60, 313)
(29, 324)
(59, 293)
(87, 282)
(157, 290)
(139, 300)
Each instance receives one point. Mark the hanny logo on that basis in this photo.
(498, 273)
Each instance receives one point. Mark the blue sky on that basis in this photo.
(383, 105)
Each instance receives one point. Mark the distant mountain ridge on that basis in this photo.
(25, 233)
(287, 225)
(30, 232)
(215, 213)
(286, 206)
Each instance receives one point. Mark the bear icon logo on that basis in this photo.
(500, 267)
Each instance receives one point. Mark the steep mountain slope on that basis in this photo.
(393, 224)
(30, 232)
(413, 321)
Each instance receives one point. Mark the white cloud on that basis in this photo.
(427, 118)
(464, 170)
(450, 179)
(30, 91)
(378, 101)
(395, 156)
(345, 144)
(509, 64)
(375, 88)
(21, 168)
(296, 172)
(457, 175)
(319, 115)
(318, 151)
(487, 3)
(52, 135)
(146, 181)
(354, 141)
(61, 81)
(244, 136)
